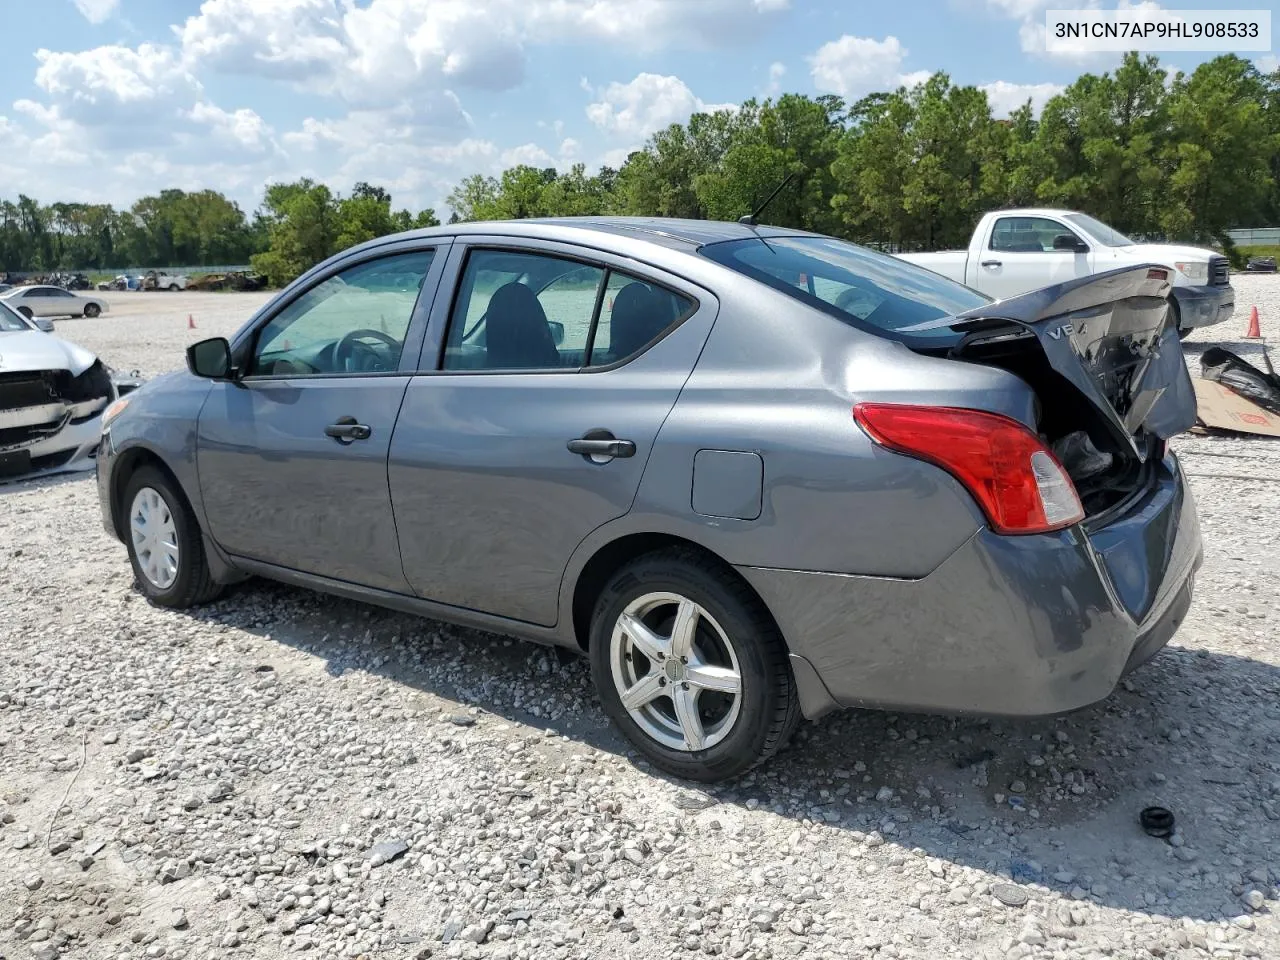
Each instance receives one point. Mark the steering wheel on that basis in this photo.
(346, 348)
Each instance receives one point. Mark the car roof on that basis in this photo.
(686, 235)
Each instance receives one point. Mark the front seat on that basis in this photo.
(636, 320)
(517, 333)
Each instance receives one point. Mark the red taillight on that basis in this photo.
(1017, 481)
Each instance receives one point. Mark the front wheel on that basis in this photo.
(1176, 314)
(691, 667)
(164, 541)
(92, 310)
(173, 288)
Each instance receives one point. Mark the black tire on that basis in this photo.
(173, 288)
(192, 584)
(1177, 319)
(769, 708)
(92, 310)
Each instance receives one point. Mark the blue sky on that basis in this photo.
(106, 100)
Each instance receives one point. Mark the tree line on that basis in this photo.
(1182, 157)
(298, 225)
(1185, 157)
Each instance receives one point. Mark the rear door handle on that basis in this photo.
(345, 430)
(602, 443)
(992, 263)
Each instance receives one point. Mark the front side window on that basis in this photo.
(849, 282)
(11, 321)
(1028, 235)
(527, 311)
(1105, 235)
(352, 322)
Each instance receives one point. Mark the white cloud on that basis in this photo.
(1006, 97)
(96, 11)
(387, 48)
(1268, 63)
(243, 127)
(527, 154)
(569, 150)
(777, 71)
(852, 66)
(1033, 34)
(113, 84)
(645, 105)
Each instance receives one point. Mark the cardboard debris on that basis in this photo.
(1220, 409)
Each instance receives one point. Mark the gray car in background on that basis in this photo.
(752, 473)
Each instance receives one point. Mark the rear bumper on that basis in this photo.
(1017, 626)
(1204, 306)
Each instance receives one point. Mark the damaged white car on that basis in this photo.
(52, 394)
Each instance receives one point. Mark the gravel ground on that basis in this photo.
(283, 772)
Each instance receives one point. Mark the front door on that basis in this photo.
(292, 457)
(1021, 257)
(555, 376)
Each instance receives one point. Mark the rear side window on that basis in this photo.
(854, 284)
(517, 310)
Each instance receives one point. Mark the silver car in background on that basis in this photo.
(49, 301)
(752, 473)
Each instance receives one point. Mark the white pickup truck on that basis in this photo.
(1016, 251)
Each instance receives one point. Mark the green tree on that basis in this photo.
(302, 226)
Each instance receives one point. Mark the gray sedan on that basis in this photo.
(752, 473)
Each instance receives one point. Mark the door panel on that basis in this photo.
(1020, 257)
(489, 501)
(292, 458)
(277, 489)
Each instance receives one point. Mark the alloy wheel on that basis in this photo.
(676, 671)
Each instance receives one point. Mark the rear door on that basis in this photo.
(551, 371)
(1020, 256)
(292, 457)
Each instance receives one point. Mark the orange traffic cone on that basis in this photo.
(1255, 328)
(191, 322)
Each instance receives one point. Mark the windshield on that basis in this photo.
(1107, 236)
(11, 322)
(853, 284)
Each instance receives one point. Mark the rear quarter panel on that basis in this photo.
(779, 379)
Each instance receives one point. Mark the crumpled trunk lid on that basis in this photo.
(1112, 337)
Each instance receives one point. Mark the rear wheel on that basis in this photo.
(691, 667)
(173, 288)
(92, 310)
(1176, 313)
(164, 541)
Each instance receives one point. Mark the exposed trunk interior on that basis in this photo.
(1105, 468)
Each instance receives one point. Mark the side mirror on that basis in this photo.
(210, 358)
(44, 323)
(1067, 241)
(557, 331)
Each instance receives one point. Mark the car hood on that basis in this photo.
(35, 350)
(1168, 253)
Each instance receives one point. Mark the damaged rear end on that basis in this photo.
(1102, 356)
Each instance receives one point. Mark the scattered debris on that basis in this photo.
(1157, 822)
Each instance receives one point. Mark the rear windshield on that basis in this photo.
(864, 288)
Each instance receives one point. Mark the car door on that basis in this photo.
(1021, 256)
(292, 455)
(37, 301)
(554, 368)
(63, 303)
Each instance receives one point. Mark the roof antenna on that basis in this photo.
(750, 219)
